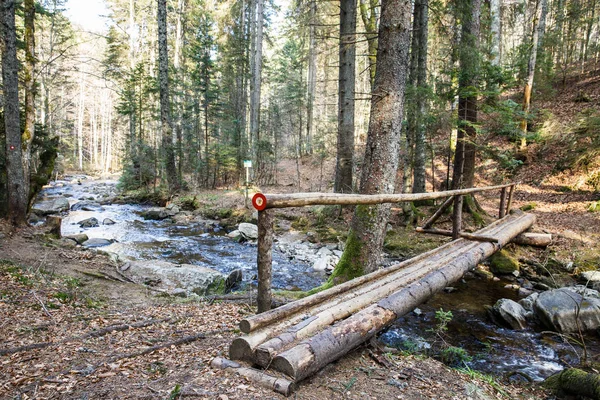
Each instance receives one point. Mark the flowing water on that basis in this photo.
(494, 350)
(194, 242)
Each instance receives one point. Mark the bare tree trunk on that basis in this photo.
(165, 113)
(495, 15)
(370, 17)
(257, 17)
(464, 159)
(29, 83)
(539, 26)
(17, 189)
(312, 77)
(421, 100)
(363, 247)
(80, 114)
(345, 135)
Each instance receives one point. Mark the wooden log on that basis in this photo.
(311, 199)
(332, 343)
(464, 235)
(264, 259)
(447, 203)
(502, 210)
(243, 348)
(510, 198)
(457, 217)
(533, 239)
(279, 385)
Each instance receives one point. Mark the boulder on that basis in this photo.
(511, 313)
(165, 275)
(52, 206)
(88, 223)
(234, 279)
(97, 242)
(502, 263)
(249, 231)
(108, 221)
(569, 309)
(87, 205)
(234, 234)
(591, 279)
(155, 213)
(79, 238)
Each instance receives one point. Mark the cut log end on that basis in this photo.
(240, 350)
(245, 326)
(533, 239)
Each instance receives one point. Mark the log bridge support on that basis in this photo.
(302, 337)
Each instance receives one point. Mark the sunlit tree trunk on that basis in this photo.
(421, 98)
(312, 76)
(29, 84)
(370, 16)
(80, 115)
(362, 253)
(256, 78)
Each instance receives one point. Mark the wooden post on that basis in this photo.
(264, 258)
(457, 217)
(438, 213)
(510, 198)
(502, 210)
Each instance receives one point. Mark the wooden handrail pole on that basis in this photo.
(264, 259)
(457, 217)
(502, 209)
(438, 213)
(510, 198)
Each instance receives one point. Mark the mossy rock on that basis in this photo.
(216, 287)
(503, 263)
(594, 207)
(528, 207)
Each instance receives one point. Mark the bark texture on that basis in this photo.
(256, 83)
(17, 188)
(165, 108)
(367, 231)
(345, 136)
(264, 258)
(29, 84)
(369, 13)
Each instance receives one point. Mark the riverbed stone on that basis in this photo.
(165, 275)
(503, 263)
(511, 313)
(87, 205)
(591, 279)
(234, 279)
(97, 242)
(249, 231)
(108, 221)
(568, 309)
(51, 206)
(89, 223)
(155, 213)
(78, 238)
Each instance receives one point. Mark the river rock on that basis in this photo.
(591, 279)
(108, 221)
(52, 206)
(568, 309)
(234, 279)
(97, 242)
(169, 276)
(249, 231)
(155, 213)
(234, 234)
(87, 205)
(511, 312)
(502, 263)
(79, 238)
(88, 223)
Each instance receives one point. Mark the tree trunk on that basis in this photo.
(29, 83)
(495, 17)
(17, 188)
(421, 100)
(464, 159)
(370, 17)
(80, 115)
(575, 381)
(539, 26)
(256, 83)
(367, 232)
(347, 60)
(312, 76)
(165, 112)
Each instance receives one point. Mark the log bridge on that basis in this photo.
(302, 337)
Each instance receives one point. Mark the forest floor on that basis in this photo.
(93, 336)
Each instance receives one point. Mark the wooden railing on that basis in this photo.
(265, 203)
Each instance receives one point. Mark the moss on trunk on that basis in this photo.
(575, 381)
